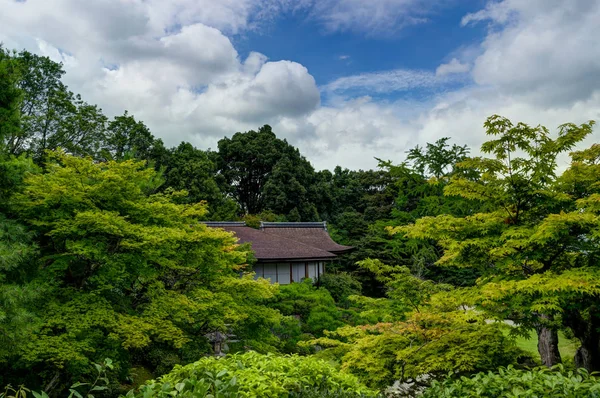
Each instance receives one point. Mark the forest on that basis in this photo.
(471, 275)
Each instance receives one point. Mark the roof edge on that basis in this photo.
(216, 224)
(318, 224)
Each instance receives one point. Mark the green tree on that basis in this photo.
(128, 273)
(128, 138)
(263, 172)
(438, 159)
(314, 307)
(537, 242)
(420, 328)
(49, 116)
(193, 170)
(10, 102)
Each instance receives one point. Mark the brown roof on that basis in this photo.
(312, 234)
(270, 245)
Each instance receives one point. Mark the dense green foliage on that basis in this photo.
(537, 245)
(253, 375)
(512, 383)
(314, 307)
(422, 328)
(127, 273)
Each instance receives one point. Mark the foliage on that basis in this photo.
(253, 375)
(314, 307)
(126, 270)
(317, 393)
(423, 328)
(510, 382)
(10, 101)
(341, 286)
(263, 172)
(537, 243)
(128, 138)
(17, 317)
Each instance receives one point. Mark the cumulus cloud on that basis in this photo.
(538, 63)
(173, 65)
(169, 63)
(546, 51)
(454, 66)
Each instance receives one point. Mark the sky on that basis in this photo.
(345, 81)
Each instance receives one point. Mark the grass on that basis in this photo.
(566, 346)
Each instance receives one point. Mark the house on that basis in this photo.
(287, 252)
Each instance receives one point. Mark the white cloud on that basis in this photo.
(454, 66)
(169, 63)
(374, 17)
(389, 81)
(539, 63)
(173, 65)
(546, 51)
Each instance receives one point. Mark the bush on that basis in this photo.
(313, 306)
(316, 393)
(511, 382)
(253, 375)
(341, 286)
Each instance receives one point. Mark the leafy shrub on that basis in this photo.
(252, 375)
(314, 306)
(341, 286)
(510, 382)
(316, 393)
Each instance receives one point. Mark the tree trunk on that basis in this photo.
(586, 331)
(52, 384)
(588, 355)
(548, 345)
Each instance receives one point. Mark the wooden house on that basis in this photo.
(287, 252)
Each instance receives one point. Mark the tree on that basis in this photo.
(536, 242)
(49, 116)
(398, 195)
(128, 138)
(421, 328)
(438, 159)
(128, 273)
(10, 102)
(193, 170)
(263, 172)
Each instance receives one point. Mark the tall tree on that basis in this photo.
(49, 115)
(193, 170)
(128, 274)
(128, 138)
(536, 244)
(263, 172)
(11, 97)
(438, 159)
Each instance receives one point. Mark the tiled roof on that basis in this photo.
(312, 234)
(273, 243)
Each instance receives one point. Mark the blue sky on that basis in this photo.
(345, 81)
(295, 36)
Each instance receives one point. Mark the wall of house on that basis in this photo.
(286, 273)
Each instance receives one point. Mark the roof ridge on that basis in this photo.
(224, 223)
(285, 224)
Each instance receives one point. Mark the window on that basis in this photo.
(298, 272)
(283, 273)
(258, 269)
(270, 272)
(312, 271)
